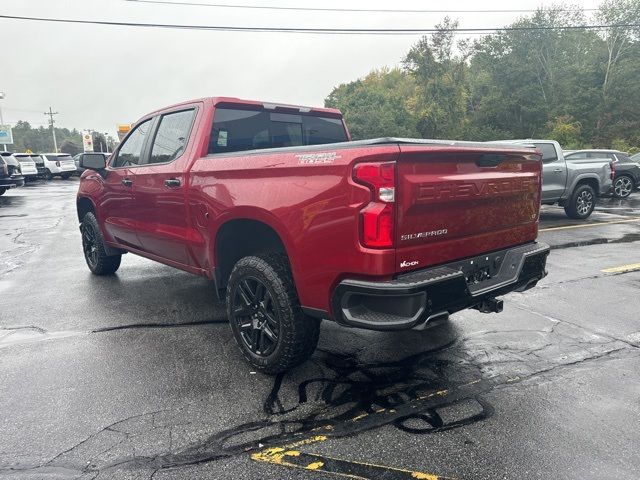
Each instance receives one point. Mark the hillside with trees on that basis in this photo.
(575, 85)
(40, 139)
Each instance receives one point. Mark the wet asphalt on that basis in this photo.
(137, 376)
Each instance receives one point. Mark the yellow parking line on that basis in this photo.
(632, 267)
(289, 456)
(585, 225)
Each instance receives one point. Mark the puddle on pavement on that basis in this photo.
(627, 238)
(22, 335)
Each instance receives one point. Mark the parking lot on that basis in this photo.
(137, 375)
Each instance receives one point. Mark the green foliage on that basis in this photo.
(577, 86)
(622, 145)
(375, 105)
(40, 139)
(565, 131)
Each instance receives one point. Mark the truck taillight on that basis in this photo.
(613, 170)
(377, 218)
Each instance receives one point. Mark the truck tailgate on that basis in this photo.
(455, 202)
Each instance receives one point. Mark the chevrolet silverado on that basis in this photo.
(296, 223)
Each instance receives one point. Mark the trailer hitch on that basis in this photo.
(490, 305)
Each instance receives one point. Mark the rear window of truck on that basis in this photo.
(548, 151)
(235, 130)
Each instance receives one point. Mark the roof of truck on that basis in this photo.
(597, 150)
(240, 101)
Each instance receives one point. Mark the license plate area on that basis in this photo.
(480, 269)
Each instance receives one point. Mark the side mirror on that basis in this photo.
(93, 161)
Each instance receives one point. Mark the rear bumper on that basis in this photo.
(11, 182)
(411, 299)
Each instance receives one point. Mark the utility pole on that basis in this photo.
(50, 114)
(2, 119)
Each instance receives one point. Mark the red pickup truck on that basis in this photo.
(295, 223)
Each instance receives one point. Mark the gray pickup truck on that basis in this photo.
(573, 185)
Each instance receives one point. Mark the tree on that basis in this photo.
(40, 139)
(577, 85)
(441, 100)
(375, 106)
(565, 131)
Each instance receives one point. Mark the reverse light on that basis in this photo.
(377, 218)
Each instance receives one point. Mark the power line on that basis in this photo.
(319, 31)
(359, 10)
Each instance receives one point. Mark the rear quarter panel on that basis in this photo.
(314, 207)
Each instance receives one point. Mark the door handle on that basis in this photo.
(557, 170)
(126, 182)
(172, 182)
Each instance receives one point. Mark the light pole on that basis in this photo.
(4, 145)
(106, 141)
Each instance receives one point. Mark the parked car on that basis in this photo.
(10, 172)
(79, 156)
(27, 165)
(627, 172)
(295, 223)
(572, 185)
(58, 165)
(39, 161)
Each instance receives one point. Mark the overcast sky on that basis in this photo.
(99, 76)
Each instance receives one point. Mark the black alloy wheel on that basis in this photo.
(90, 246)
(255, 316)
(94, 250)
(268, 324)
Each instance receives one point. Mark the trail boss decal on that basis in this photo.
(317, 158)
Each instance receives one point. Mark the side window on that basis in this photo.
(576, 156)
(172, 136)
(131, 150)
(236, 130)
(548, 152)
(601, 156)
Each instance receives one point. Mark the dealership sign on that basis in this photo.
(6, 136)
(87, 141)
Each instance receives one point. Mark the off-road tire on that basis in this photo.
(48, 175)
(297, 335)
(98, 261)
(66, 176)
(575, 206)
(623, 186)
(2, 190)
